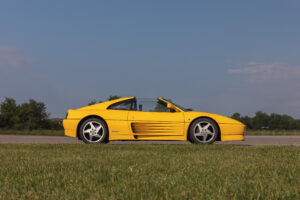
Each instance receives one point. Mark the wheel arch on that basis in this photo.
(219, 130)
(88, 117)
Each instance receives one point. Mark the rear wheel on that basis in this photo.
(93, 130)
(203, 131)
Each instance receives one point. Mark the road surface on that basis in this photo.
(249, 140)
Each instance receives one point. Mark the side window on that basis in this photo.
(123, 105)
(151, 105)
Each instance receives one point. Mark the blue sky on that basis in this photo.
(215, 56)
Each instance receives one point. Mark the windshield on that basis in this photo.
(182, 108)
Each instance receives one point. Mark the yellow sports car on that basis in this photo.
(133, 118)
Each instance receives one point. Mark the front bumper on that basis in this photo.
(231, 132)
(70, 126)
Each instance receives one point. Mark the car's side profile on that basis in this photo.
(132, 118)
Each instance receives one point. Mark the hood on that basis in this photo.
(218, 118)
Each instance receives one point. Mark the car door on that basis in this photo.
(152, 117)
(116, 117)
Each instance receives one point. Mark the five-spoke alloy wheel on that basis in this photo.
(203, 131)
(93, 130)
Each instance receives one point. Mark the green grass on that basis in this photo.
(272, 132)
(61, 132)
(78, 171)
(33, 132)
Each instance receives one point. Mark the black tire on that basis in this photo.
(199, 136)
(93, 139)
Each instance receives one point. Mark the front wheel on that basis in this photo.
(93, 130)
(203, 131)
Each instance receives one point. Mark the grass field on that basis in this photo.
(33, 132)
(273, 132)
(78, 171)
(61, 132)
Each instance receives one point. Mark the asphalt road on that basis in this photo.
(249, 140)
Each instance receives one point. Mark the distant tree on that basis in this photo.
(92, 102)
(287, 122)
(261, 120)
(273, 121)
(298, 124)
(113, 97)
(32, 115)
(246, 120)
(237, 116)
(53, 124)
(169, 100)
(1, 121)
(9, 112)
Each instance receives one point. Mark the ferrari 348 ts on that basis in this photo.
(132, 118)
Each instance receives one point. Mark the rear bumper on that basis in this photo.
(231, 132)
(70, 126)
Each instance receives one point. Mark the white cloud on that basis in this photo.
(10, 57)
(268, 71)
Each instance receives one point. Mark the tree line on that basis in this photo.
(274, 121)
(111, 97)
(30, 115)
(33, 115)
